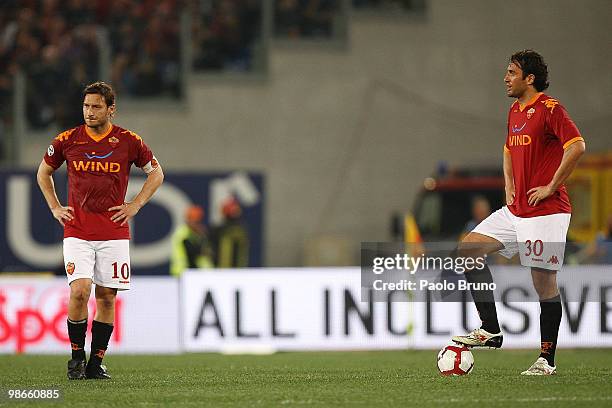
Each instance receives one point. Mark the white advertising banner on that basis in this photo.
(321, 309)
(33, 313)
(264, 310)
(286, 309)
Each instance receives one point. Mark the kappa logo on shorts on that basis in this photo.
(553, 260)
(70, 268)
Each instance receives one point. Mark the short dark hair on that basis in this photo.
(101, 88)
(532, 63)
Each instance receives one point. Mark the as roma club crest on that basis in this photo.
(113, 141)
(70, 268)
(530, 113)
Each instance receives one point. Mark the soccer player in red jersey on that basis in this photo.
(98, 155)
(542, 148)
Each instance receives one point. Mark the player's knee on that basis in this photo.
(475, 245)
(105, 302)
(546, 289)
(545, 283)
(79, 295)
(546, 292)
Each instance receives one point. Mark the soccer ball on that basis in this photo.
(455, 360)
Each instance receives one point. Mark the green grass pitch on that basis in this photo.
(334, 379)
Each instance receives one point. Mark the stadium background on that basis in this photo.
(342, 112)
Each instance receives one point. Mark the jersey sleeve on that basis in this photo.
(561, 126)
(143, 156)
(54, 156)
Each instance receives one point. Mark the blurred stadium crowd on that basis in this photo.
(60, 45)
(56, 45)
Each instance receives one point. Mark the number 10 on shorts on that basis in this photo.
(123, 270)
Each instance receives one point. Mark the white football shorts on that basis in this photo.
(106, 263)
(539, 241)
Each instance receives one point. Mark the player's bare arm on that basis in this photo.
(508, 178)
(570, 158)
(128, 210)
(47, 186)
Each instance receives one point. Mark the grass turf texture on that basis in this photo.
(367, 379)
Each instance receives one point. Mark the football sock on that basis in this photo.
(550, 319)
(484, 299)
(76, 333)
(100, 336)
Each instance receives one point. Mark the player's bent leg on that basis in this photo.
(545, 284)
(476, 245)
(80, 290)
(101, 331)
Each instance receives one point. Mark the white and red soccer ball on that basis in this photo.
(455, 359)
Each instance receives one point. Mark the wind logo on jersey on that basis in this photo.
(93, 155)
(103, 167)
(70, 268)
(519, 140)
(516, 129)
(530, 112)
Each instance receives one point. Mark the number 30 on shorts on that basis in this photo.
(124, 270)
(536, 247)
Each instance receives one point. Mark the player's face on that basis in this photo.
(516, 85)
(95, 111)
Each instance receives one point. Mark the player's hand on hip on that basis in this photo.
(124, 212)
(537, 194)
(509, 196)
(63, 214)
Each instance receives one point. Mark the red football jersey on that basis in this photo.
(538, 133)
(98, 172)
